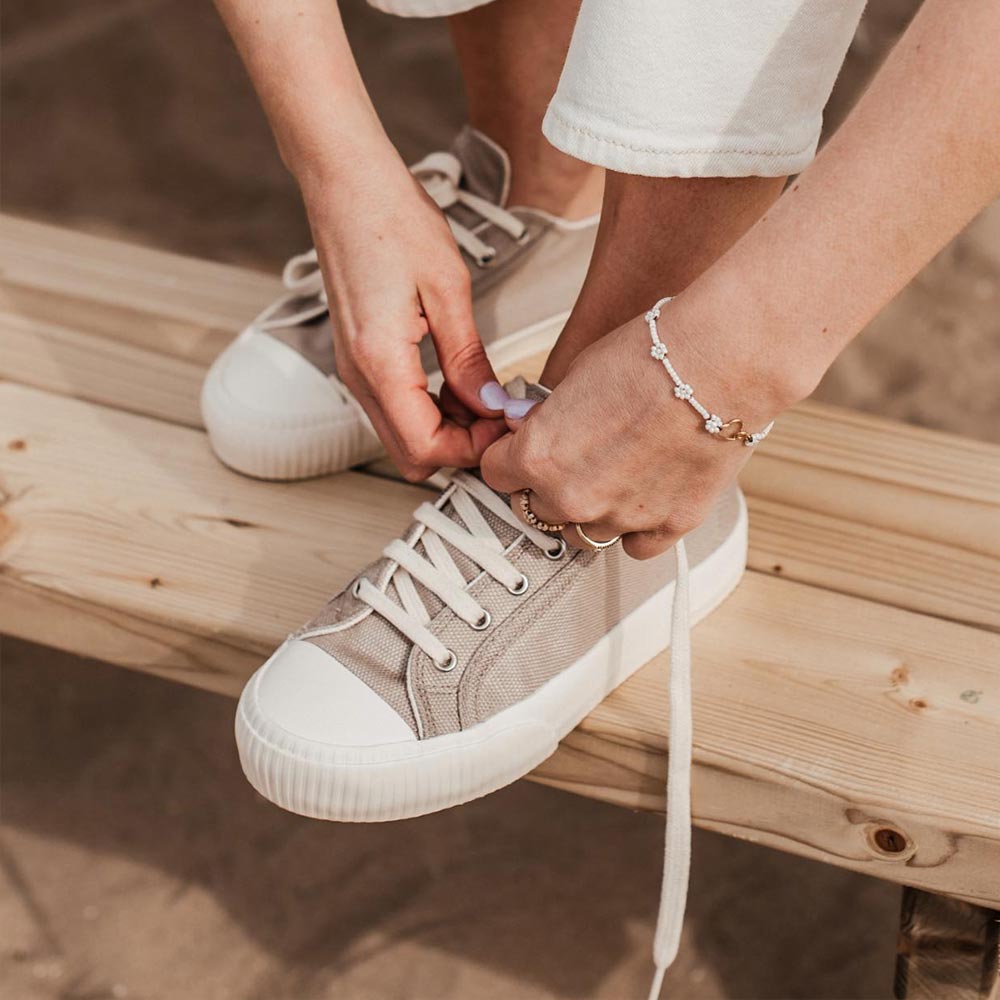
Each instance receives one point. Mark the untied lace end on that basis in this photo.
(677, 839)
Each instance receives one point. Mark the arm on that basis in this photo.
(916, 159)
(389, 261)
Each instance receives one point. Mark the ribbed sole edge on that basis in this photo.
(396, 781)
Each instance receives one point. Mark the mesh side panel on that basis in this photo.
(576, 611)
(571, 604)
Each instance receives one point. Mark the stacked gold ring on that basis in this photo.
(533, 519)
(536, 522)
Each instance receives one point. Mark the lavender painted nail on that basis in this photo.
(494, 395)
(516, 409)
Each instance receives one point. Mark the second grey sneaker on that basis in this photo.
(272, 402)
(455, 665)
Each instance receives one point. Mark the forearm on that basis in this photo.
(918, 157)
(301, 65)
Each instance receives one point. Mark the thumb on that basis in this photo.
(461, 354)
(516, 411)
(500, 467)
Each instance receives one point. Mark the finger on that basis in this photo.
(417, 435)
(454, 409)
(648, 544)
(459, 348)
(412, 471)
(516, 412)
(501, 465)
(543, 510)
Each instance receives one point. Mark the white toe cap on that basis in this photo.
(262, 374)
(312, 696)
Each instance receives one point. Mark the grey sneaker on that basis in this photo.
(455, 664)
(272, 403)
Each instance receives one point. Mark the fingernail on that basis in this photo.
(516, 409)
(494, 396)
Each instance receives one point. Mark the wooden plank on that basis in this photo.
(844, 501)
(824, 725)
(89, 365)
(947, 948)
(116, 324)
(50, 268)
(821, 718)
(135, 518)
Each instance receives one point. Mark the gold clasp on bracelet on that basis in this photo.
(732, 430)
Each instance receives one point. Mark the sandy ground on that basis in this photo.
(135, 861)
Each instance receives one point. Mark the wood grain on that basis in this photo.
(856, 718)
(821, 718)
(844, 501)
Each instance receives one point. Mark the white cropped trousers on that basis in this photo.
(691, 88)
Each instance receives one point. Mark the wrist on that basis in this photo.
(355, 147)
(746, 363)
(713, 372)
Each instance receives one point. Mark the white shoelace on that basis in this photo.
(440, 175)
(677, 840)
(438, 573)
(441, 577)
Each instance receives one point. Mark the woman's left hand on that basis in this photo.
(613, 449)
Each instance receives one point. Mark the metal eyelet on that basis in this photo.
(486, 259)
(558, 552)
(483, 623)
(521, 586)
(448, 664)
(356, 589)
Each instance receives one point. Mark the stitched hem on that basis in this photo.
(657, 157)
(426, 8)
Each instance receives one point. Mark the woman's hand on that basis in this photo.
(390, 264)
(394, 274)
(612, 448)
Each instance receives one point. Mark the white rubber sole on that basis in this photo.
(399, 780)
(270, 446)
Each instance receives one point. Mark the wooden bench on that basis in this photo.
(846, 697)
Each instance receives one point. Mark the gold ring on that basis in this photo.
(533, 519)
(592, 543)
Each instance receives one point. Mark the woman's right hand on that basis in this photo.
(391, 268)
(394, 274)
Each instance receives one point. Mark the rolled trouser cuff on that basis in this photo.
(656, 155)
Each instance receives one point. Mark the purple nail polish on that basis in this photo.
(494, 395)
(516, 409)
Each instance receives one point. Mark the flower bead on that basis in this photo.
(683, 391)
(658, 351)
(714, 424)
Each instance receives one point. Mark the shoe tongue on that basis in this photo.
(485, 165)
(521, 388)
